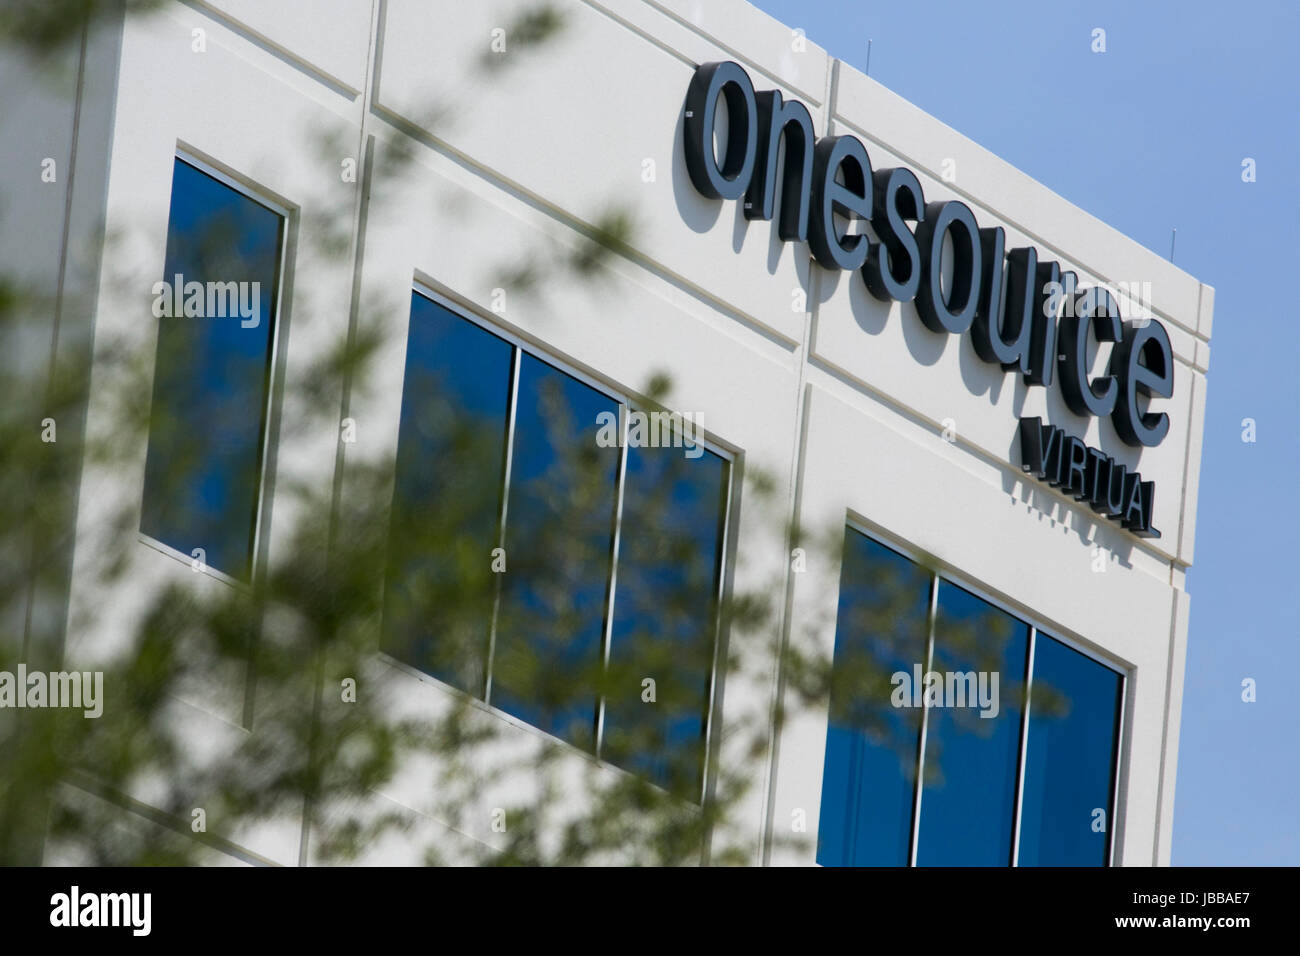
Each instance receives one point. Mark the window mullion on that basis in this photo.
(511, 416)
(613, 575)
(925, 719)
(1024, 747)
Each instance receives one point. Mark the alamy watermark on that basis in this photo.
(975, 689)
(651, 430)
(76, 689)
(1132, 298)
(75, 908)
(208, 300)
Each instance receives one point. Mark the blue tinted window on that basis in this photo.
(526, 628)
(447, 496)
(559, 540)
(968, 799)
(664, 614)
(871, 746)
(212, 372)
(1070, 759)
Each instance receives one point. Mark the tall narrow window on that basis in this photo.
(559, 542)
(662, 638)
(869, 777)
(216, 322)
(1070, 759)
(451, 454)
(972, 737)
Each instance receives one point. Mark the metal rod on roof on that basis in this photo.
(868, 69)
(1172, 239)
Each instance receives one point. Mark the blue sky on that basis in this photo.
(1150, 136)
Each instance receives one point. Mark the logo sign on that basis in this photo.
(1023, 313)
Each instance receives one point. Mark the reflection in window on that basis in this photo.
(1069, 759)
(871, 746)
(664, 614)
(497, 448)
(216, 309)
(968, 800)
(975, 767)
(559, 541)
(447, 496)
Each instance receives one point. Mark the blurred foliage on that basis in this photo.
(46, 26)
